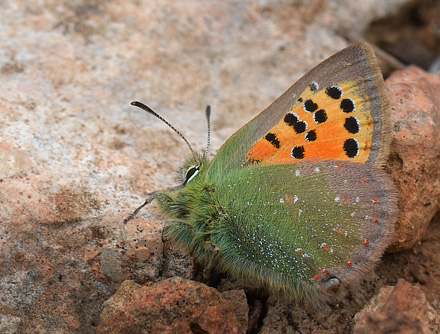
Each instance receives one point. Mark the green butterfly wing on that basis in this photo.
(291, 228)
(355, 62)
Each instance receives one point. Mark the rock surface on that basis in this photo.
(415, 151)
(173, 306)
(402, 309)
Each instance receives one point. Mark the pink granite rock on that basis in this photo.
(402, 309)
(415, 151)
(171, 306)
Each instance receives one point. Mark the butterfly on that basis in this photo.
(296, 201)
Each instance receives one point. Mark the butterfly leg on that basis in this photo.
(165, 251)
(255, 315)
(206, 271)
(150, 198)
(165, 242)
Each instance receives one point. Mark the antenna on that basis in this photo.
(152, 112)
(208, 116)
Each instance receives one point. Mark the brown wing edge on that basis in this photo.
(381, 135)
(369, 261)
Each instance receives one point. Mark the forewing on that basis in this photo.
(270, 138)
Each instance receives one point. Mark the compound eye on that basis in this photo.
(191, 173)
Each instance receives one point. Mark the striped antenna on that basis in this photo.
(208, 119)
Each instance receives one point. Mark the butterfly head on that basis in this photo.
(192, 168)
(193, 165)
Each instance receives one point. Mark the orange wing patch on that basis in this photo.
(333, 123)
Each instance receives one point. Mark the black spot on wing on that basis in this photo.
(347, 105)
(300, 126)
(272, 138)
(320, 116)
(290, 119)
(351, 147)
(311, 135)
(297, 152)
(352, 125)
(310, 106)
(334, 92)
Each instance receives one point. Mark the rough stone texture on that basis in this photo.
(415, 152)
(76, 158)
(171, 306)
(402, 309)
(238, 301)
(419, 265)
